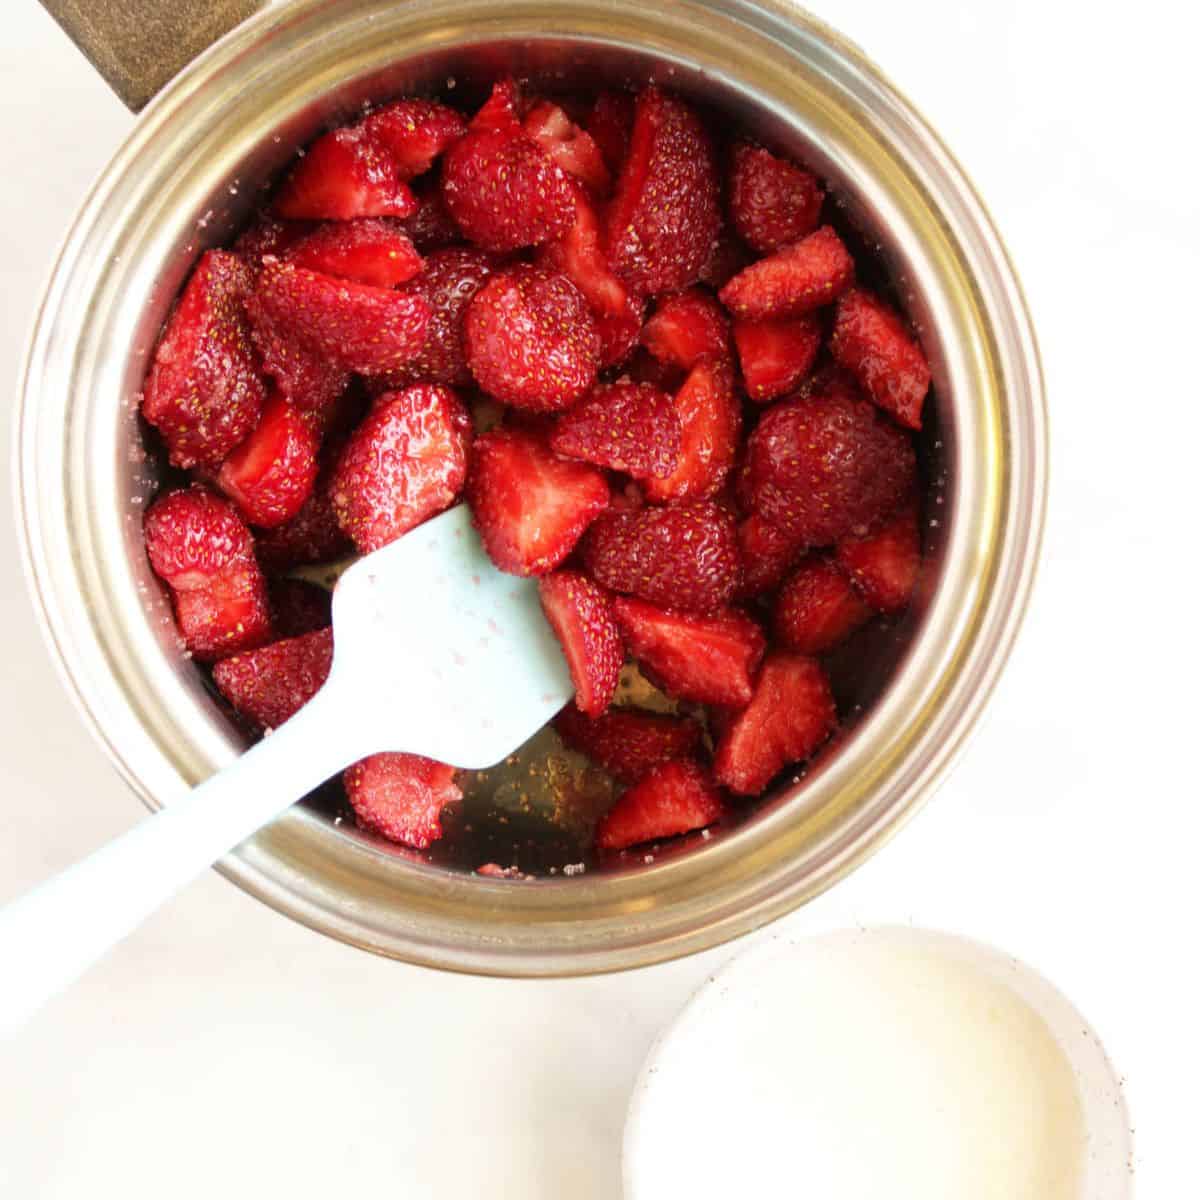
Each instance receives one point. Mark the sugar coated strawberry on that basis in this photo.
(767, 553)
(776, 355)
(204, 393)
(773, 202)
(580, 613)
(817, 607)
(299, 607)
(671, 799)
(273, 683)
(229, 615)
(344, 175)
(885, 564)
(630, 427)
(369, 250)
(627, 742)
(401, 796)
(412, 133)
(799, 278)
(687, 327)
(569, 146)
(610, 124)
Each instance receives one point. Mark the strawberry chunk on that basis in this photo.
(674, 798)
(825, 468)
(884, 565)
(406, 462)
(773, 202)
(229, 615)
(627, 742)
(686, 328)
(569, 146)
(360, 328)
(665, 214)
(412, 133)
(685, 556)
(401, 796)
(776, 355)
(273, 683)
(618, 334)
(299, 607)
(792, 281)
(789, 716)
(431, 227)
(610, 124)
(581, 616)
(344, 175)
(630, 427)
(204, 393)
(313, 535)
(502, 109)
(529, 505)
(710, 660)
(871, 341)
(531, 340)
(817, 607)
(767, 553)
(369, 250)
(711, 417)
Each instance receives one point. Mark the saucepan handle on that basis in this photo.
(138, 45)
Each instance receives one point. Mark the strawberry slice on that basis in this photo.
(674, 798)
(369, 250)
(767, 553)
(685, 556)
(792, 281)
(412, 133)
(776, 355)
(610, 124)
(627, 742)
(569, 146)
(885, 564)
(790, 715)
(401, 796)
(299, 607)
(773, 202)
(529, 505)
(273, 683)
(204, 393)
(712, 424)
(686, 328)
(871, 341)
(431, 227)
(710, 660)
(406, 462)
(817, 607)
(344, 175)
(630, 427)
(313, 535)
(665, 214)
(531, 340)
(580, 614)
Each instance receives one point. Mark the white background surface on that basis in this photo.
(224, 1050)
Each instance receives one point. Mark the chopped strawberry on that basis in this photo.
(569, 146)
(685, 556)
(360, 328)
(665, 215)
(776, 355)
(268, 235)
(687, 327)
(870, 340)
(531, 340)
(313, 535)
(630, 427)
(827, 467)
(610, 124)
(712, 424)
(412, 133)
(728, 257)
(618, 334)
(204, 393)
(529, 505)
(502, 109)
(673, 798)
(406, 462)
(580, 613)
(273, 683)
(229, 615)
(767, 553)
(627, 742)
(370, 250)
(773, 202)
(710, 660)
(884, 565)
(791, 714)
(792, 281)
(344, 175)
(401, 796)
(817, 607)
(271, 474)
(431, 227)
(299, 607)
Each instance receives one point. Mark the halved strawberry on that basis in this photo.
(401, 796)
(569, 146)
(767, 553)
(370, 250)
(344, 175)
(687, 327)
(665, 214)
(712, 425)
(228, 615)
(273, 683)
(791, 714)
(627, 742)
(299, 607)
(610, 124)
(710, 660)
(630, 427)
(431, 227)
(817, 607)
(773, 202)
(412, 133)
(776, 355)
(792, 281)
(674, 798)
(871, 340)
(529, 505)
(406, 462)
(531, 340)
(203, 392)
(885, 564)
(313, 535)
(685, 556)
(580, 613)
